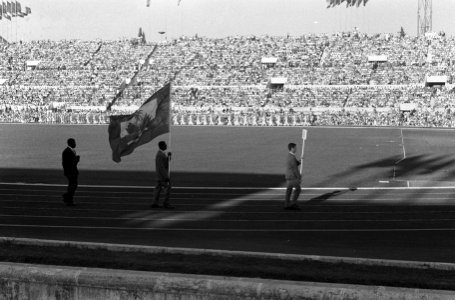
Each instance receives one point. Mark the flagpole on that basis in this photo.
(170, 126)
(304, 135)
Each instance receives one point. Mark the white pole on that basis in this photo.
(304, 134)
(170, 125)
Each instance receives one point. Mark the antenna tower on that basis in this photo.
(424, 17)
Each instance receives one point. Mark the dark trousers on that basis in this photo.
(292, 185)
(166, 187)
(72, 186)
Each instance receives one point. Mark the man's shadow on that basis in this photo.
(327, 196)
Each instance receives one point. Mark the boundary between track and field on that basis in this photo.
(237, 188)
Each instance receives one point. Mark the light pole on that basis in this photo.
(424, 17)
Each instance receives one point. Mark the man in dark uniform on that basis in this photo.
(293, 178)
(162, 172)
(69, 163)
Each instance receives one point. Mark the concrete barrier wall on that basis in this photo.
(37, 282)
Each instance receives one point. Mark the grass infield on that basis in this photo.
(267, 268)
(204, 155)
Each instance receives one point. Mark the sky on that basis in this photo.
(116, 19)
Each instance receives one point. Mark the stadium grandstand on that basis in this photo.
(349, 78)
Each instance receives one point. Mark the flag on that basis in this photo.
(8, 17)
(13, 8)
(8, 7)
(178, 2)
(127, 132)
(4, 7)
(28, 10)
(148, 3)
(18, 8)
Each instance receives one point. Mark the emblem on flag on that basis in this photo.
(127, 132)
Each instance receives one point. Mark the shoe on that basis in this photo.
(155, 206)
(168, 207)
(288, 207)
(70, 204)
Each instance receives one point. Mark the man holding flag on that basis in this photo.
(162, 173)
(127, 132)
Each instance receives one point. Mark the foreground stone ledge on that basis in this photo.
(230, 253)
(39, 282)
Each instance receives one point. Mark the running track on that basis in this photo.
(394, 223)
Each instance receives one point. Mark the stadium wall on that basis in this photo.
(37, 282)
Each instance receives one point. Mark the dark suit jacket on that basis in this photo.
(292, 168)
(69, 162)
(162, 166)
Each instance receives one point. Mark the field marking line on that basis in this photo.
(402, 144)
(404, 152)
(232, 229)
(237, 188)
(229, 220)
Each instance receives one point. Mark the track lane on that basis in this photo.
(394, 224)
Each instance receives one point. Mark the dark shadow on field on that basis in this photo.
(407, 169)
(369, 175)
(425, 168)
(397, 171)
(141, 178)
(383, 169)
(425, 165)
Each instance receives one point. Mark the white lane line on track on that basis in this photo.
(144, 203)
(239, 188)
(64, 208)
(233, 230)
(80, 191)
(214, 200)
(230, 220)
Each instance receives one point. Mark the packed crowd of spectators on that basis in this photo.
(330, 80)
